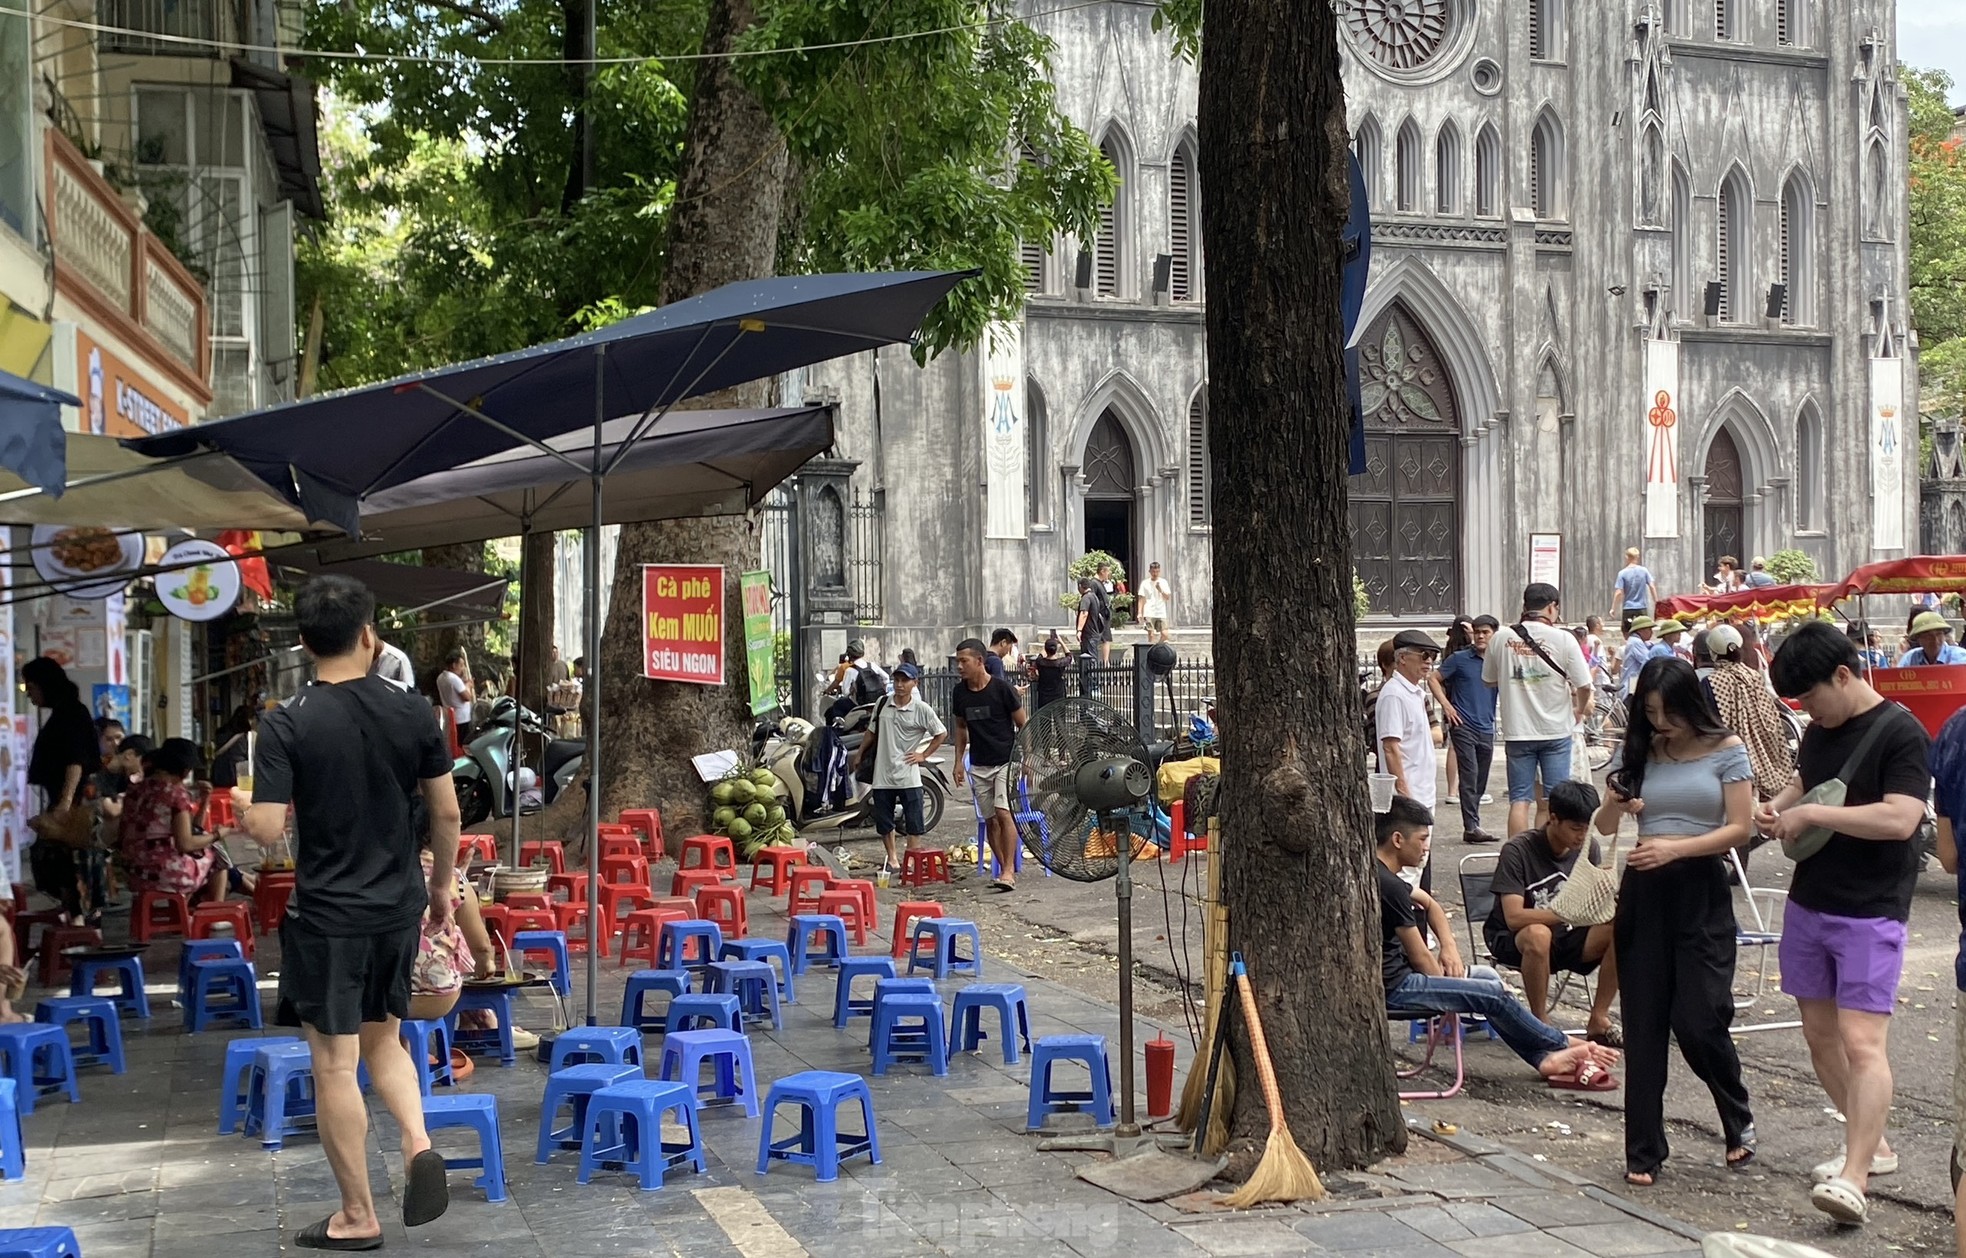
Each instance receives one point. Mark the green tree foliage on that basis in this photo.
(1938, 241)
(1792, 567)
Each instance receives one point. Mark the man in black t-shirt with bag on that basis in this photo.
(988, 715)
(348, 754)
(1843, 930)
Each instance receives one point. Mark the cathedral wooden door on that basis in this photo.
(1405, 506)
(1724, 509)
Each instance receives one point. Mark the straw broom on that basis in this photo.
(1284, 1173)
(1215, 948)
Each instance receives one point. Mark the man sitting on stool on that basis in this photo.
(1521, 930)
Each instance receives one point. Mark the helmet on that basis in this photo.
(1722, 640)
(856, 648)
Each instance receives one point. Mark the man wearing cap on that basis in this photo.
(1758, 575)
(1469, 704)
(1544, 692)
(1406, 743)
(1638, 649)
(895, 736)
(1930, 630)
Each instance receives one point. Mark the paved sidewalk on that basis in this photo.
(139, 1172)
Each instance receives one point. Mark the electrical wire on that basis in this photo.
(235, 46)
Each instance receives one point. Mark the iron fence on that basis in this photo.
(1191, 685)
(866, 548)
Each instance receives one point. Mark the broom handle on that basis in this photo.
(1265, 1071)
(1216, 1045)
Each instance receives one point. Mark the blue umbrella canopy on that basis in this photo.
(355, 443)
(32, 444)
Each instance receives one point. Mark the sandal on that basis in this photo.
(1840, 1200)
(1589, 1077)
(1745, 1146)
(1833, 1169)
(1609, 1037)
(315, 1236)
(426, 1189)
(1651, 1177)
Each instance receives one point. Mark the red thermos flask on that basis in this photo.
(1160, 1077)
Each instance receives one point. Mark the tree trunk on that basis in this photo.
(537, 588)
(1302, 901)
(723, 228)
(428, 649)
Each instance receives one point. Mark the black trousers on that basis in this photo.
(1474, 753)
(1675, 940)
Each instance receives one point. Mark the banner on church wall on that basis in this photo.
(1004, 432)
(1887, 454)
(1661, 438)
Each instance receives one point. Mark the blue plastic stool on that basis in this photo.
(684, 1053)
(103, 1043)
(763, 950)
(38, 1058)
(479, 1112)
(942, 934)
(819, 1142)
(203, 950)
(39, 1242)
(886, 987)
(1051, 1049)
(798, 940)
(13, 1143)
(909, 1024)
(845, 1007)
(425, 1038)
(624, 1125)
(611, 1045)
(224, 990)
(753, 983)
(643, 984)
(280, 1092)
(478, 1042)
(128, 970)
(717, 1009)
(553, 942)
(235, 1093)
(966, 1018)
(672, 944)
(573, 1087)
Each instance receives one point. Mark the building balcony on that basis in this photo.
(108, 263)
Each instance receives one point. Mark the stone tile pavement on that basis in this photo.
(139, 1171)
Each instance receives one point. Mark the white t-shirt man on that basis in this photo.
(455, 694)
(393, 665)
(903, 727)
(1401, 715)
(1535, 702)
(1155, 594)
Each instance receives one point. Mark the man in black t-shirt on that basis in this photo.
(348, 754)
(988, 715)
(1522, 932)
(1843, 930)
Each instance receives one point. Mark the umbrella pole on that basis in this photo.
(518, 766)
(597, 930)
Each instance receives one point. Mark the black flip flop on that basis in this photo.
(1001, 887)
(316, 1237)
(426, 1189)
(1609, 1037)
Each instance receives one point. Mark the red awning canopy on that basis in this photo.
(1917, 574)
(1768, 602)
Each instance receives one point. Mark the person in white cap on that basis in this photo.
(1930, 631)
(1749, 708)
(1758, 574)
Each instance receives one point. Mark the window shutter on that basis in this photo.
(1723, 19)
(1536, 198)
(1198, 460)
(1787, 261)
(1723, 251)
(1538, 45)
(1784, 31)
(1180, 229)
(277, 345)
(1031, 254)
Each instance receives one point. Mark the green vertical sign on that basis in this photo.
(758, 655)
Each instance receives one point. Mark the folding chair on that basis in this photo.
(1765, 935)
(1477, 875)
(1442, 1028)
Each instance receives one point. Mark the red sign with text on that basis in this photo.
(1932, 694)
(683, 623)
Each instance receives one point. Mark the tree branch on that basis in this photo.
(489, 22)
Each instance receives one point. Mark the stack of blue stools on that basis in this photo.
(477, 1111)
(128, 970)
(645, 983)
(39, 1242)
(498, 1040)
(608, 1045)
(624, 1127)
(717, 1009)
(39, 1059)
(754, 985)
(908, 1024)
(573, 1087)
(235, 1094)
(685, 1053)
(763, 950)
(819, 1142)
(941, 934)
(222, 989)
(554, 944)
(845, 1006)
(102, 1043)
(1088, 1049)
(426, 1038)
(1013, 1018)
(13, 1142)
(280, 1092)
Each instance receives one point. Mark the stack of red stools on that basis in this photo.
(642, 933)
(206, 918)
(804, 889)
(54, 966)
(549, 850)
(647, 821)
(157, 914)
(845, 905)
(772, 868)
(632, 870)
(725, 907)
(709, 851)
(270, 896)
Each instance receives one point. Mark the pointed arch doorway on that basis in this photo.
(1111, 497)
(1406, 505)
(1724, 512)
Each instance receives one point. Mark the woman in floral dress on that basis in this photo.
(159, 846)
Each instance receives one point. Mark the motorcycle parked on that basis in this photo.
(792, 749)
(483, 774)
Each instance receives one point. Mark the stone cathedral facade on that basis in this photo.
(1639, 278)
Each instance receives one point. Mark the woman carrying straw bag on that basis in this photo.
(1686, 780)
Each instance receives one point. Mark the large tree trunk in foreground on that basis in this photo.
(537, 579)
(428, 649)
(723, 228)
(1303, 906)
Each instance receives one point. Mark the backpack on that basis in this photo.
(869, 685)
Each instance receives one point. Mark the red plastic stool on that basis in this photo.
(24, 924)
(709, 851)
(772, 867)
(618, 899)
(497, 919)
(483, 846)
(725, 907)
(531, 919)
(868, 907)
(681, 903)
(643, 932)
(620, 845)
(648, 821)
(806, 886)
(923, 865)
(566, 917)
(270, 897)
(551, 850)
(574, 884)
(629, 869)
(1179, 844)
(846, 905)
(219, 814)
(154, 914)
(206, 918)
(905, 914)
(54, 966)
(687, 881)
(531, 900)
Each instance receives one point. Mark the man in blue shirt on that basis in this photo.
(1638, 649)
(1930, 630)
(1468, 703)
(1633, 595)
(1758, 575)
(1949, 790)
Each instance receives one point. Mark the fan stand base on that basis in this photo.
(1142, 1169)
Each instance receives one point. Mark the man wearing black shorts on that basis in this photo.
(348, 754)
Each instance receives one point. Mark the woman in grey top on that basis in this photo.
(1686, 779)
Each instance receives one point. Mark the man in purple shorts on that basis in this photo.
(1843, 933)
